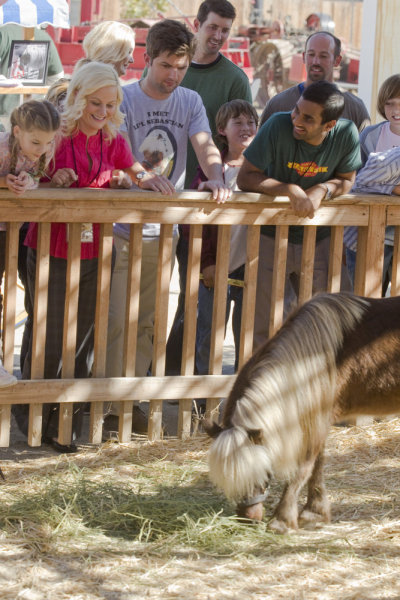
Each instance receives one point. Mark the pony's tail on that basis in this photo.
(238, 466)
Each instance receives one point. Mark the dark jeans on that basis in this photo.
(204, 320)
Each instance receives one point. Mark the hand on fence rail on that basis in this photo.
(221, 192)
(63, 178)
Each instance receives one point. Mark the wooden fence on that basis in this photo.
(371, 214)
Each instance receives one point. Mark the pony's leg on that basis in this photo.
(286, 513)
(318, 504)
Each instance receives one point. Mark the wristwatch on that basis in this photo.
(139, 176)
(328, 193)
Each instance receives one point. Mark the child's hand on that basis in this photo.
(19, 184)
(120, 179)
(63, 178)
(221, 192)
(209, 276)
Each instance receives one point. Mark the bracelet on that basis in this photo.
(328, 193)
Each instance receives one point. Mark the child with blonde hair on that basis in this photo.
(25, 153)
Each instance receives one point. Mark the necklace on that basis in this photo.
(100, 164)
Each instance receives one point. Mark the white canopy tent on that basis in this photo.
(32, 13)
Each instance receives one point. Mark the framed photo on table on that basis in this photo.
(28, 61)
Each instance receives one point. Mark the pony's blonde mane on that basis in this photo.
(288, 397)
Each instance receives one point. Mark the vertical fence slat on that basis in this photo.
(101, 322)
(39, 328)
(160, 324)
(219, 310)
(132, 300)
(395, 285)
(335, 259)
(307, 264)
(370, 248)
(70, 326)
(190, 323)
(131, 325)
(10, 294)
(9, 314)
(249, 294)
(278, 278)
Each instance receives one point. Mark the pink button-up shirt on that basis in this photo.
(73, 152)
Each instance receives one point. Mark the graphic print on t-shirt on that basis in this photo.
(307, 169)
(159, 151)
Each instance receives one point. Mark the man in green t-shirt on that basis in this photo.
(309, 155)
(213, 76)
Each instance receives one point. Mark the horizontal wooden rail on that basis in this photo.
(370, 213)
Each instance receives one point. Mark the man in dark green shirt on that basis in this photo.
(309, 155)
(213, 76)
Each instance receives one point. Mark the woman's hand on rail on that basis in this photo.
(63, 178)
(221, 192)
(120, 179)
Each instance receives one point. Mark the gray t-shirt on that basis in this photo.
(159, 131)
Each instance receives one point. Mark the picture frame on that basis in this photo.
(28, 60)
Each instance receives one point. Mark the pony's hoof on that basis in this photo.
(278, 526)
(255, 512)
(309, 519)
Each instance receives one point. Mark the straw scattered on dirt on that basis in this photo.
(141, 520)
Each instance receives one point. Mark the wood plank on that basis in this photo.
(191, 207)
(162, 298)
(160, 324)
(191, 296)
(307, 264)
(335, 259)
(131, 325)
(278, 279)
(370, 249)
(190, 324)
(102, 299)
(39, 328)
(5, 425)
(249, 294)
(125, 421)
(101, 324)
(220, 296)
(219, 313)
(141, 389)
(395, 284)
(10, 295)
(132, 300)
(9, 318)
(70, 326)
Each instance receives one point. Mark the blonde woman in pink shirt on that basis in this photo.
(90, 153)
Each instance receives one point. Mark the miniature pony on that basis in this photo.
(336, 357)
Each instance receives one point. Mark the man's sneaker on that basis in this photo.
(6, 379)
